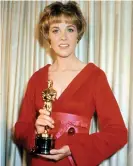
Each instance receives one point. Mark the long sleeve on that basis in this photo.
(91, 150)
(24, 127)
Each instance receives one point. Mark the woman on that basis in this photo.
(82, 90)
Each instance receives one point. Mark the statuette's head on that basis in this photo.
(50, 83)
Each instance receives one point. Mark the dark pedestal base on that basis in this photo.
(43, 145)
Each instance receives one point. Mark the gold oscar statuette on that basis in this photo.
(44, 142)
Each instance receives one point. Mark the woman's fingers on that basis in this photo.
(44, 111)
(56, 151)
(58, 154)
(55, 157)
(64, 150)
(45, 117)
(44, 114)
(44, 122)
(39, 129)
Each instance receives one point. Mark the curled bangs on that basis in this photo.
(68, 19)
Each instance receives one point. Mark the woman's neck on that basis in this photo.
(64, 64)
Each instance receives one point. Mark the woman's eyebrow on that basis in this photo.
(71, 25)
(54, 27)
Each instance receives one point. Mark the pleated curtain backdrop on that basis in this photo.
(108, 42)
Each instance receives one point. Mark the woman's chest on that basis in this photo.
(62, 80)
(75, 100)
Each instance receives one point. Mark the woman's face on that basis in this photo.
(63, 38)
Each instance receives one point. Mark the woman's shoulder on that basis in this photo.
(42, 70)
(98, 74)
(40, 73)
(96, 69)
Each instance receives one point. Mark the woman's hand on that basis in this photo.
(43, 120)
(58, 154)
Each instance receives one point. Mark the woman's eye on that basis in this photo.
(70, 30)
(55, 30)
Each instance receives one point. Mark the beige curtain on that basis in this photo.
(108, 42)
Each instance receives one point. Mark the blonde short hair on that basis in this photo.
(53, 14)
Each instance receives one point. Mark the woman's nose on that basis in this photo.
(63, 36)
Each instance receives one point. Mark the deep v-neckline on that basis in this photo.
(75, 79)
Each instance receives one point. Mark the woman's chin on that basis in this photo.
(63, 56)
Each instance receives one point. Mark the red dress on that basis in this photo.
(89, 92)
